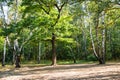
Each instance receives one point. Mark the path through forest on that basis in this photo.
(64, 72)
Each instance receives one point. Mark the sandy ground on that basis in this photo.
(64, 72)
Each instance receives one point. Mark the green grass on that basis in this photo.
(59, 62)
(35, 64)
(63, 62)
(47, 63)
(6, 67)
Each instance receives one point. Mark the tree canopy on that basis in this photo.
(59, 30)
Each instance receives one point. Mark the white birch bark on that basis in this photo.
(5, 40)
(103, 44)
(93, 45)
(103, 38)
(4, 53)
(39, 52)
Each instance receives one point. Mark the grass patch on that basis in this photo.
(45, 63)
(6, 67)
(63, 62)
(35, 64)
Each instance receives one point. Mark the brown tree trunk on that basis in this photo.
(17, 63)
(3, 62)
(53, 50)
(101, 61)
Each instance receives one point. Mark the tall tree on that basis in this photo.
(5, 23)
(47, 6)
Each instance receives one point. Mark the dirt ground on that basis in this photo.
(64, 72)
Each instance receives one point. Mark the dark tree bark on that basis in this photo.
(13, 58)
(53, 49)
(74, 59)
(3, 63)
(17, 59)
(54, 57)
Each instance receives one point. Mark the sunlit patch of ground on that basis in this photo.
(64, 72)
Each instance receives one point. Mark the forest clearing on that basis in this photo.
(109, 71)
(59, 39)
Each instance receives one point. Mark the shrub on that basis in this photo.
(91, 57)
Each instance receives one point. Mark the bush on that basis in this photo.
(91, 57)
(108, 56)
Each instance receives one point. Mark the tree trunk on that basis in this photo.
(39, 52)
(101, 61)
(97, 38)
(74, 59)
(103, 39)
(4, 53)
(85, 49)
(17, 55)
(93, 45)
(103, 46)
(13, 58)
(17, 59)
(78, 47)
(53, 50)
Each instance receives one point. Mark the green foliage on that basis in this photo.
(1, 46)
(72, 31)
(1, 43)
(91, 57)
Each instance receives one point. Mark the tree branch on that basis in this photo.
(59, 11)
(42, 2)
(4, 21)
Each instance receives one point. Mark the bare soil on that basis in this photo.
(64, 72)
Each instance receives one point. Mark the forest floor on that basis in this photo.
(109, 71)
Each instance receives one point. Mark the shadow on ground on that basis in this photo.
(32, 70)
(98, 77)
